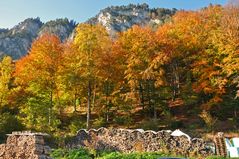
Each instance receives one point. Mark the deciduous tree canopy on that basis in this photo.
(190, 62)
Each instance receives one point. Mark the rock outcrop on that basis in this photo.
(120, 18)
(63, 28)
(17, 41)
(25, 145)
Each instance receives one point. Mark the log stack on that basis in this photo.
(219, 141)
(126, 140)
(24, 145)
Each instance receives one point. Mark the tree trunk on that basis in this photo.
(107, 113)
(154, 103)
(75, 100)
(1, 101)
(88, 106)
(106, 101)
(50, 109)
(93, 98)
(235, 116)
(175, 81)
(155, 112)
(141, 94)
(148, 94)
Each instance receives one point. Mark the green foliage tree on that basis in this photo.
(6, 70)
(91, 42)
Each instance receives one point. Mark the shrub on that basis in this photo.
(118, 155)
(100, 122)
(86, 154)
(176, 125)
(75, 125)
(150, 124)
(209, 120)
(215, 157)
(71, 154)
(8, 123)
(123, 120)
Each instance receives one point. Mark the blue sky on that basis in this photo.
(14, 11)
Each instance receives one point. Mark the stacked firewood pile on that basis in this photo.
(125, 140)
(24, 145)
(220, 144)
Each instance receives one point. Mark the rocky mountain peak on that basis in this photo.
(29, 26)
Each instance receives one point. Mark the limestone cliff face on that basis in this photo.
(60, 27)
(120, 18)
(15, 42)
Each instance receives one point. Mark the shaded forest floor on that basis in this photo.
(185, 118)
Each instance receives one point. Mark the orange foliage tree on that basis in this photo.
(37, 74)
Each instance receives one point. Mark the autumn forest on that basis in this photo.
(183, 74)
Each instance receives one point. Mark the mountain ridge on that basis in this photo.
(16, 41)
